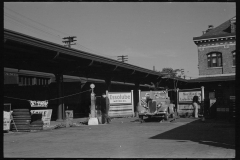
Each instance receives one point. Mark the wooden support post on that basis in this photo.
(136, 97)
(59, 79)
(202, 103)
(108, 83)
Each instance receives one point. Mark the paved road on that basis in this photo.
(127, 138)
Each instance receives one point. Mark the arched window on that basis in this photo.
(214, 59)
(234, 58)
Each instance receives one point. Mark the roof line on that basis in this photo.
(212, 38)
(70, 51)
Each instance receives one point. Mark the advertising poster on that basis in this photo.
(120, 98)
(187, 96)
(46, 115)
(6, 120)
(121, 104)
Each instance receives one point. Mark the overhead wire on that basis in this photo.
(47, 32)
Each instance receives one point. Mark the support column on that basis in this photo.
(136, 96)
(202, 103)
(59, 79)
(177, 96)
(108, 83)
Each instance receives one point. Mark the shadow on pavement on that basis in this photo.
(212, 133)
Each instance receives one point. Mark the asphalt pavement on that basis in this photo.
(127, 138)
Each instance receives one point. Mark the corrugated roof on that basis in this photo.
(214, 79)
(222, 30)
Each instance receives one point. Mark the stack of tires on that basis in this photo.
(21, 118)
(36, 122)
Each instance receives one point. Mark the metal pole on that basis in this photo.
(92, 104)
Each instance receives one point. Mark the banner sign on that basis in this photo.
(187, 96)
(38, 103)
(120, 98)
(121, 104)
(6, 120)
(46, 115)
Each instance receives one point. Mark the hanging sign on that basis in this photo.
(38, 103)
(187, 96)
(46, 115)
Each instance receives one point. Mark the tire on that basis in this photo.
(21, 127)
(20, 110)
(21, 118)
(37, 123)
(36, 128)
(20, 113)
(26, 130)
(22, 122)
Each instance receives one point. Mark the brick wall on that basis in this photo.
(227, 60)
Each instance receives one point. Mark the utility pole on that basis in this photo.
(122, 58)
(69, 41)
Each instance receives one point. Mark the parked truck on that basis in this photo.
(155, 103)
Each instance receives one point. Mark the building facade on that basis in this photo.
(217, 50)
(217, 67)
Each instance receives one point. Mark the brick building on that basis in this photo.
(216, 49)
(217, 67)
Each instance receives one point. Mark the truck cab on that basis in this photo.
(155, 103)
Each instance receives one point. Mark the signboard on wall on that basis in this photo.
(6, 116)
(38, 103)
(187, 96)
(121, 104)
(120, 98)
(46, 115)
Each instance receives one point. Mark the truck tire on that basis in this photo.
(24, 130)
(20, 110)
(21, 122)
(20, 113)
(39, 122)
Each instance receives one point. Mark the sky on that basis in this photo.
(156, 34)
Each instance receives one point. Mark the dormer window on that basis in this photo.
(214, 59)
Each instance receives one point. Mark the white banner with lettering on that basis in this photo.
(187, 96)
(38, 103)
(46, 115)
(120, 98)
(121, 104)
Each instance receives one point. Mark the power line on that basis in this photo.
(39, 29)
(36, 21)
